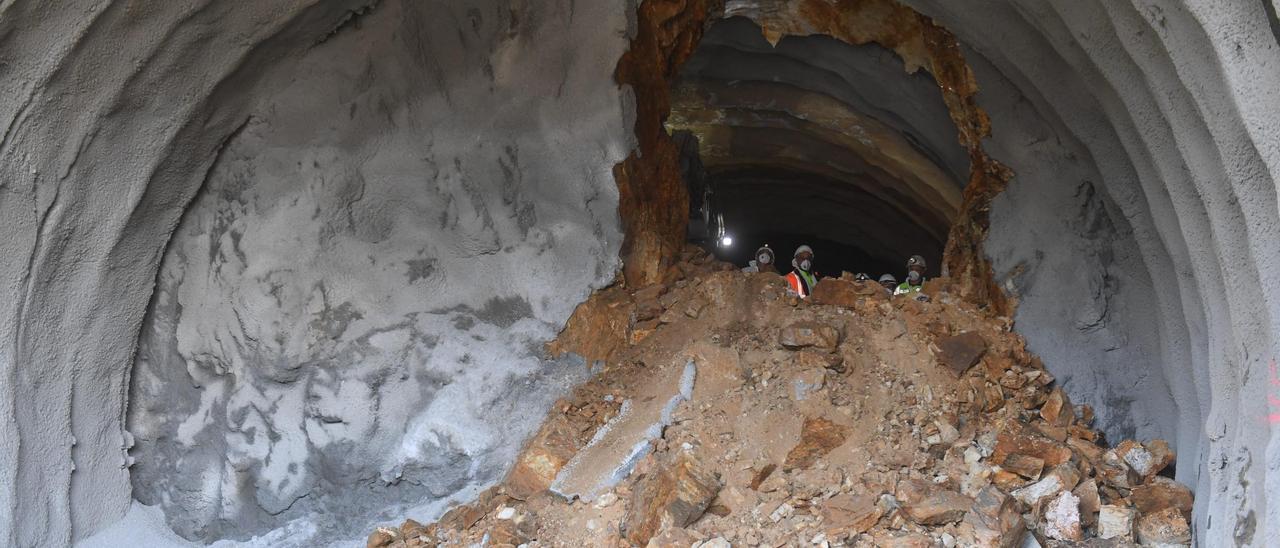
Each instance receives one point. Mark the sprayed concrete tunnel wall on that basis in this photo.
(378, 213)
(391, 208)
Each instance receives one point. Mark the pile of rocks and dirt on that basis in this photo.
(725, 411)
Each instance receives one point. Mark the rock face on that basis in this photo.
(673, 497)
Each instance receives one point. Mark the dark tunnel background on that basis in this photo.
(815, 141)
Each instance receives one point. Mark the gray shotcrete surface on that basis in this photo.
(355, 226)
(284, 267)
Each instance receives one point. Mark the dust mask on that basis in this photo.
(913, 277)
(764, 259)
(806, 264)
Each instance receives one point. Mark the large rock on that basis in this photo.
(846, 293)
(809, 334)
(1166, 527)
(674, 496)
(1161, 493)
(818, 436)
(1015, 438)
(960, 352)
(929, 504)
(848, 514)
(1063, 477)
(994, 521)
(543, 457)
(1057, 410)
(1062, 518)
(1116, 522)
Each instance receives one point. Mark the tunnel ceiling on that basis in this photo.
(817, 137)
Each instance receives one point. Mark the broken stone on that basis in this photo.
(810, 359)
(960, 352)
(898, 539)
(1062, 478)
(1024, 465)
(1164, 528)
(381, 537)
(1116, 522)
(809, 334)
(694, 307)
(674, 496)
(818, 437)
(1137, 457)
(848, 515)
(1161, 493)
(543, 457)
(1162, 455)
(928, 504)
(1013, 437)
(1090, 501)
(1062, 518)
(994, 521)
(845, 293)
(762, 475)
(642, 330)
(1057, 410)
(806, 382)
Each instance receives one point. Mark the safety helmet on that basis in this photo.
(802, 249)
(765, 250)
(862, 277)
(916, 260)
(888, 278)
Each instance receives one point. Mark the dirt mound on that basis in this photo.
(727, 412)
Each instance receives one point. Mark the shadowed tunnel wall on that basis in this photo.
(1138, 234)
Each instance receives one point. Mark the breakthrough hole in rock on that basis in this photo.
(267, 261)
(816, 141)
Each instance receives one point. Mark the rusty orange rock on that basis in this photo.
(818, 437)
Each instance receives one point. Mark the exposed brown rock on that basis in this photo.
(960, 352)
(543, 457)
(847, 515)
(994, 521)
(1164, 527)
(1063, 477)
(818, 437)
(1090, 501)
(809, 334)
(1161, 493)
(674, 496)
(1014, 437)
(1023, 465)
(598, 326)
(928, 504)
(809, 358)
(846, 293)
(381, 537)
(1057, 410)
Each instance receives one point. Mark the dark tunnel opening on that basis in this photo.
(815, 141)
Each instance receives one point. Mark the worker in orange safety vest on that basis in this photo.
(802, 277)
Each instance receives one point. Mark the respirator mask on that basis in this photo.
(806, 264)
(764, 258)
(913, 277)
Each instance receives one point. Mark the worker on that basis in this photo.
(862, 277)
(889, 283)
(915, 276)
(802, 277)
(763, 262)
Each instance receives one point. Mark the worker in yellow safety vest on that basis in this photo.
(915, 276)
(802, 277)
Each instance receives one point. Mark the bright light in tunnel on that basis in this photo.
(726, 241)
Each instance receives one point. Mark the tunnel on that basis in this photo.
(280, 270)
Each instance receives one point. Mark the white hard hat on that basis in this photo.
(916, 260)
(888, 278)
(802, 249)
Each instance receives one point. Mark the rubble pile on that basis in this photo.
(849, 419)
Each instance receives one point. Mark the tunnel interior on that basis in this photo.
(286, 260)
(816, 141)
